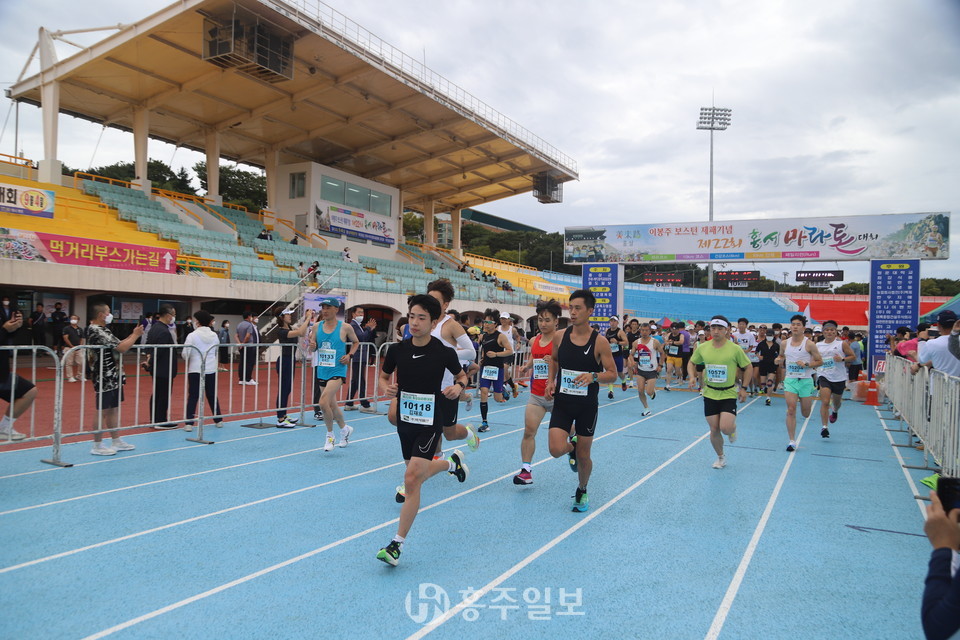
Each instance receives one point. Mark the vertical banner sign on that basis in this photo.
(894, 302)
(605, 282)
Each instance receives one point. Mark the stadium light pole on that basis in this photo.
(713, 119)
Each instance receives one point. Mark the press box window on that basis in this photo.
(379, 203)
(331, 190)
(298, 185)
(358, 197)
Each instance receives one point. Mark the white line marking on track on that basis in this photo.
(724, 610)
(903, 467)
(309, 554)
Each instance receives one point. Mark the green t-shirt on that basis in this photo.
(720, 368)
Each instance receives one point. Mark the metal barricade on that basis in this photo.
(25, 362)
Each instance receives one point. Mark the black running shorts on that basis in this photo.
(584, 417)
(713, 407)
(418, 441)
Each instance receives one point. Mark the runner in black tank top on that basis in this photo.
(580, 363)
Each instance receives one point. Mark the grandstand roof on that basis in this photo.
(341, 97)
(496, 222)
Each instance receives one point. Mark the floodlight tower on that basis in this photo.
(713, 119)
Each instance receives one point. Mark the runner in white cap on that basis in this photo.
(832, 374)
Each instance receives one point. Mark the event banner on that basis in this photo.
(923, 236)
(35, 246)
(894, 302)
(605, 281)
(356, 224)
(26, 201)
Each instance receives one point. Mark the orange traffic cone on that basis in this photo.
(862, 377)
(873, 398)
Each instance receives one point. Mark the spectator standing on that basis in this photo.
(72, 336)
(38, 326)
(58, 319)
(358, 376)
(249, 336)
(202, 362)
(287, 362)
(6, 310)
(107, 377)
(18, 392)
(224, 337)
(163, 366)
(936, 353)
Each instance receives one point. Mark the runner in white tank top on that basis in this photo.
(832, 374)
(798, 356)
(646, 359)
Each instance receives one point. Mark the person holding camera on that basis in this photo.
(940, 610)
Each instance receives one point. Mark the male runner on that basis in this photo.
(580, 363)
(494, 349)
(513, 336)
(633, 334)
(722, 363)
(673, 345)
(767, 350)
(420, 363)
(541, 352)
(799, 356)
(647, 358)
(332, 356)
(618, 347)
(832, 374)
(748, 342)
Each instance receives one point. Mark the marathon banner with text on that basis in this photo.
(605, 282)
(894, 302)
(357, 224)
(26, 201)
(35, 246)
(911, 236)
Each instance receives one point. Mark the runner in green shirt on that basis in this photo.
(719, 360)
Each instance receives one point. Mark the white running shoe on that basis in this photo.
(345, 434)
(12, 435)
(100, 449)
(473, 440)
(720, 463)
(732, 437)
(329, 444)
(469, 401)
(646, 412)
(122, 445)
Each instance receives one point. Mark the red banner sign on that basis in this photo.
(48, 247)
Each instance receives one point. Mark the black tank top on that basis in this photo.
(577, 358)
(490, 342)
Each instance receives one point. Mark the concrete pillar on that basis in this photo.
(400, 238)
(429, 237)
(272, 165)
(50, 168)
(141, 132)
(455, 227)
(213, 165)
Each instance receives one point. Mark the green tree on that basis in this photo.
(160, 174)
(853, 288)
(239, 187)
(412, 226)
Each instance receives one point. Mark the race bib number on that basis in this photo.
(753, 357)
(326, 357)
(673, 349)
(541, 370)
(417, 408)
(614, 347)
(490, 373)
(796, 370)
(567, 385)
(828, 363)
(716, 373)
(645, 362)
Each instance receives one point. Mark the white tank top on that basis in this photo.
(793, 355)
(509, 334)
(831, 369)
(648, 358)
(447, 376)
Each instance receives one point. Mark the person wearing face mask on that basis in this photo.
(58, 319)
(767, 350)
(163, 366)
(224, 335)
(72, 336)
(6, 310)
(358, 382)
(107, 377)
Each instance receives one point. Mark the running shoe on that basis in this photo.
(824, 432)
(609, 395)
(767, 402)
(286, 423)
(523, 383)
(516, 392)
(833, 417)
(460, 470)
(349, 407)
(484, 427)
(732, 437)
(390, 553)
(473, 440)
(666, 387)
(121, 445)
(318, 415)
(12, 435)
(653, 396)
(573, 454)
(469, 401)
(524, 477)
(623, 385)
(401, 494)
(345, 434)
(328, 446)
(101, 449)
(792, 446)
(720, 463)
(645, 413)
(368, 409)
(580, 501)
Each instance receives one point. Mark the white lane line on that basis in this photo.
(506, 575)
(309, 554)
(724, 610)
(903, 467)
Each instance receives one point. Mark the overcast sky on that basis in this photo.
(840, 107)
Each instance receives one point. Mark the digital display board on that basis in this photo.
(819, 276)
(737, 276)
